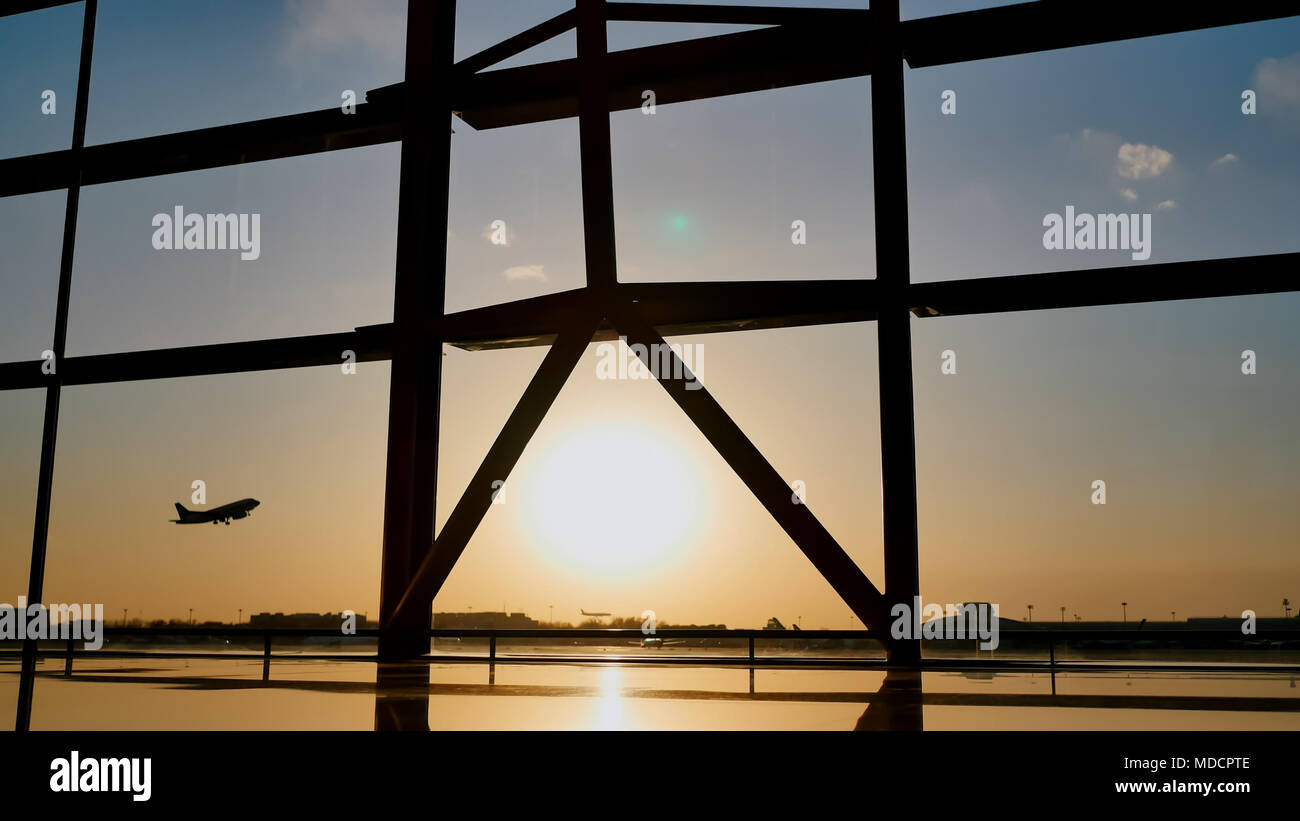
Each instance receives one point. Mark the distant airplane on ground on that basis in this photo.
(585, 613)
(234, 510)
(656, 643)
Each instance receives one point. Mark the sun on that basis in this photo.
(613, 500)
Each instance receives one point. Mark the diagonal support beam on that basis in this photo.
(759, 476)
(521, 42)
(500, 460)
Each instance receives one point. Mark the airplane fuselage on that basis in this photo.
(224, 513)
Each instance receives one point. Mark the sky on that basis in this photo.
(1199, 459)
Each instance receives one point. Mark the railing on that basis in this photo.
(1019, 638)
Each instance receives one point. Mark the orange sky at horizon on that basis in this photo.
(1004, 486)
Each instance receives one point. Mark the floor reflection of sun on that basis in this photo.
(611, 710)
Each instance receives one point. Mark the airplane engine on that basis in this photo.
(243, 514)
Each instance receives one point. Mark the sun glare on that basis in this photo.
(613, 500)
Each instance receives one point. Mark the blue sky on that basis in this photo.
(704, 190)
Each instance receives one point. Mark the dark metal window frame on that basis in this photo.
(799, 46)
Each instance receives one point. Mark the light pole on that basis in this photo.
(241, 616)
(1031, 614)
(550, 620)
(1124, 605)
(1171, 616)
(124, 617)
(1062, 614)
(191, 615)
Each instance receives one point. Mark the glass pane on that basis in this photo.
(315, 253)
(29, 273)
(912, 9)
(769, 185)
(163, 66)
(619, 504)
(624, 34)
(1198, 460)
(39, 55)
(814, 414)
(308, 444)
(484, 23)
(1150, 128)
(515, 223)
(20, 464)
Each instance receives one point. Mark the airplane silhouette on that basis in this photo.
(585, 613)
(235, 510)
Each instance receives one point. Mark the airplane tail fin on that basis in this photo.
(180, 511)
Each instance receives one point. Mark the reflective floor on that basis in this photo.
(216, 693)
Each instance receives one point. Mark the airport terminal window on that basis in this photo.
(20, 455)
(995, 146)
(695, 520)
(351, 474)
(39, 63)
(479, 390)
(770, 185)
(162, 67)
(515, 220)
(625, 35)
(1158, 453)
(912, 9)
(308, 443)
(273, 267)
(816, 418)
(30, 270)
(483, 24)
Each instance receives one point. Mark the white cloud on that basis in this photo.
(1167, 205)
(1140, 162)
(523, 272)
(1129, 194)
(1226, 159)
(1277, 84)
(326, 27)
